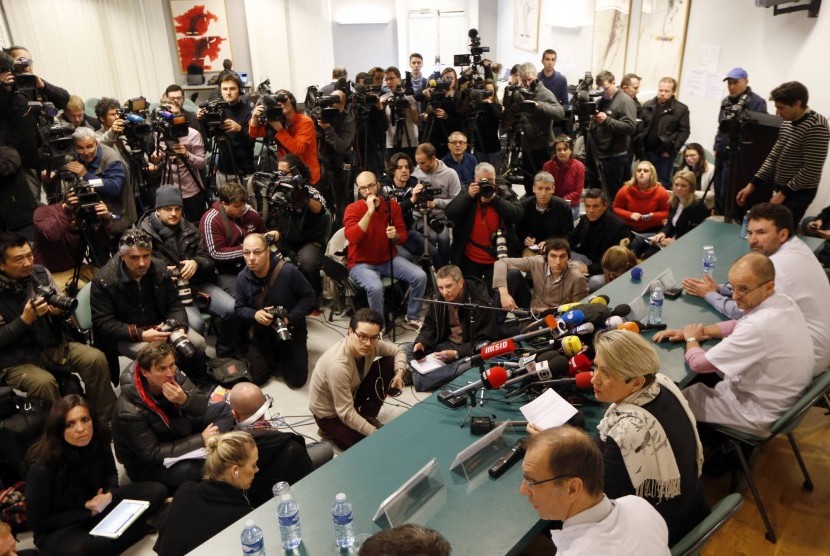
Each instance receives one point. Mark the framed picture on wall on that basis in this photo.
(201, 29)
(526, 24)
(611, 19)
(661, 39)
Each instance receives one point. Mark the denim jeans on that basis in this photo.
(442, 240)
(439, 376)
(221, 305)
(368, 277)
(663, 165)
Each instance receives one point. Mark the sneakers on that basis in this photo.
(412, 324)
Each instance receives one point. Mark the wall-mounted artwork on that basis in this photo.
(661, 40)
(611, 36)
(526, 24)
(201, 29)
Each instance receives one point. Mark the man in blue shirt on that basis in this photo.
(459, 159)
(553, 80)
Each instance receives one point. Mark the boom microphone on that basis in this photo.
(581, 381)
(497, 348)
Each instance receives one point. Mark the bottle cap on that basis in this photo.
(285, 498)
(250, 523)
(341, 497)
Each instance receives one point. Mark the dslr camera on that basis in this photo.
(178, 338)
(54, 299)
(182, 285)
(279, 323)
(486, 188)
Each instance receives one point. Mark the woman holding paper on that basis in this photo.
(648, 436)
(72, 484)
(200, 510)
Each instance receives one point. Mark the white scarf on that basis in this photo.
(645, 449)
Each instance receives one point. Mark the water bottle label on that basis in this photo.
(290, 520)
(254, 548)
(344, 519)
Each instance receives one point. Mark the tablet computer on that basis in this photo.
(121, 517)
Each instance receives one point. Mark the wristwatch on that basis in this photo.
(692, 339)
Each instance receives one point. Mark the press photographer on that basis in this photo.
(335, 138)
(72, 234)
(441, 110)
(432, 170)
(224, 123)
(293, 131)
(18, 202)
(180, 153)
(18, 87)
(371, 120)
(529, 114)
(276, 297)
(298, 212)
(34, 341)
(402, 112)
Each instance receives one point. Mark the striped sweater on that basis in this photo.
(797, 158)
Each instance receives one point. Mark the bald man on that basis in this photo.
(765, 358)
(282, 455)
(374, 228)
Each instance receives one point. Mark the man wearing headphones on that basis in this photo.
(236, 155)
(294, 132)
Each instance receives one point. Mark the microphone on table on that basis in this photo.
(514, 455)
(579, 363)
(491, 378)
(540, 318)
(580, 380)
(483, 425)
(497, 348)
(642, 326)
(546, 367)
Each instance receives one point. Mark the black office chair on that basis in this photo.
(695, 539)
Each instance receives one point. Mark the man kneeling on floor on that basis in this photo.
(348, 384)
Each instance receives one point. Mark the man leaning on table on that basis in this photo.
(765, 357)
(798, 274)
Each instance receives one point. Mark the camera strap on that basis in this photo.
(260, 300)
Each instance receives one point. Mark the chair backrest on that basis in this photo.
(791, 419)
(704, 530)
(335, 270)
(83, 312)
(328, 226)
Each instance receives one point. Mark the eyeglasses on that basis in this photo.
(458, 142)
(136, 238)
(366, 339)
(367, 187)
(531, 484)
(744, 290)
(256, 252)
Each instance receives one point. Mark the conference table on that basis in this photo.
(481, 515)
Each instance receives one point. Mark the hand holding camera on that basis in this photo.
(279, 320)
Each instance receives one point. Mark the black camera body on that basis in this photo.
(182, 285)
(476, 50)
(24, 80)
(213, 116)
(486, 188)
(178, 338)
(169, 126)
(54, 299)
(283, 191)
(88, 199)
(477, 95)
(280, 315)
(585, 100)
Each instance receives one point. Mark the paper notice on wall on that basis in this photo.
(708, 58)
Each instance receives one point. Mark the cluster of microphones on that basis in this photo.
(565, 359)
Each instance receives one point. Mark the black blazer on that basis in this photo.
(691, 216)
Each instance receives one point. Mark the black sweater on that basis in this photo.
(592, 239)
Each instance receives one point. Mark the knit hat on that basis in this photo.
(168, 196)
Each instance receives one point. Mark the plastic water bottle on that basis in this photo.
(655, 303)
(289, 517)
(709, 260)
(343, 518)
(252, 542)
(745, 225)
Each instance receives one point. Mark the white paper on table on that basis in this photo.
(548, 410)
(427, 364)
(198, 453)
(638, 309)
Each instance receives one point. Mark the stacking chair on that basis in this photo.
(786, 424)
(694, 540)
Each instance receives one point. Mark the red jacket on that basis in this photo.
(372, 246)
(631, 199)
(298, 138)
(569, 179)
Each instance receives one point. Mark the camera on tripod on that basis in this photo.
(178, 338)
(584, 98)
(321, 108)
(735, 115)
(279, 324)
(84, 211)
(435, 221)
(54, 299)
(476, 50)
(169, 126)
(213, 116)
(282, 191)
(366, 95)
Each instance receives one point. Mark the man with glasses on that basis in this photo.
(798, 275)
(176, 94)
(274, 297)
(439, 175)
(352, 379)
(458, 158)
(563, 481)
(374, 228)
(400, 111)
(765, 358)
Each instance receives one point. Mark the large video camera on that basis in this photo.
(136, 127)
(57, 146)
(476, 50)
(54, 299)
(283, 191)
(430, 193)
(169, 126)
(735, 115)
(269, 100)
(24, 80)
(321, 108)
(83, 211)
(215, 113)
(585, 99)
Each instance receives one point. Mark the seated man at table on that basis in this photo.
(555, 279)
(597, 230)
(798, 275)
(348, 386)
(765, 358)
(446, 330)
(563, 472)
(544, 215)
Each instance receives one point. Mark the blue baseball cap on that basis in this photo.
(736, 73)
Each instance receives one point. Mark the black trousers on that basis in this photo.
(268, 355)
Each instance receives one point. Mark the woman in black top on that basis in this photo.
(72, 484)
(686, 212)
(202, 509)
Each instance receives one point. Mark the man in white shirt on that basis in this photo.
(563, 473)
(798, 275)
(765, 358)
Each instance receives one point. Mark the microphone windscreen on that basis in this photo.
(595, 312)
(495, 377)
(621, 310)
(571, 345)
(432, 83)
(579, 363)
(600, 299)
(567, 307)
(584, 329)
(551, 322)
(613, 322)
(583, 380)
(630, 326)
(572, 318)
(558, 366)
(495, 349)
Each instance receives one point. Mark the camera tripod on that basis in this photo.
(425, 260)
(170, 170)
(220, 151)
(399, 123)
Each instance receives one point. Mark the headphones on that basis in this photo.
(258, 414)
